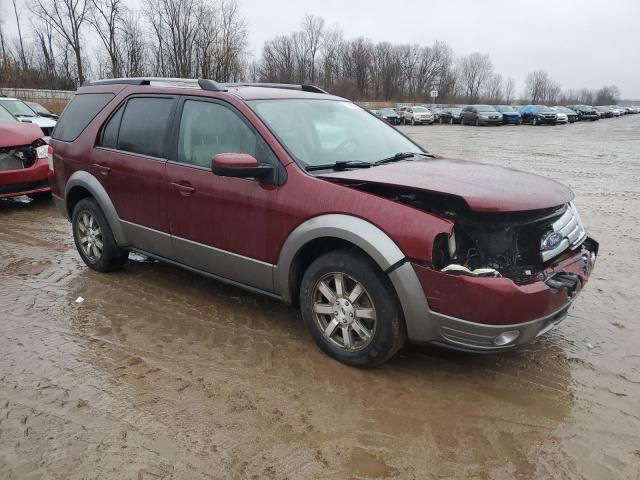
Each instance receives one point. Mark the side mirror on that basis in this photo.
(239, 165)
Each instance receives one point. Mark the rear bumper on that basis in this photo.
(491, 314)
(25, 181)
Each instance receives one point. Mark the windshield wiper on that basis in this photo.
(401, 156)
(341, 165)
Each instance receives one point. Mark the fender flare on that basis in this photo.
(90, 183)
(357, 231)
(375, 243)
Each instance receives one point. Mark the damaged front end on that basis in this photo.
(21, 157)
(517, 246)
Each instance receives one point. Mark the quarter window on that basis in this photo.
(208, 128)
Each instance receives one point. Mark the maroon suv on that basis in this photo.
(306, 197)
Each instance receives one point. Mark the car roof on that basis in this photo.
(244, 91)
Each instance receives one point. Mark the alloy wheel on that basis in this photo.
(344, 311)
(90, 236)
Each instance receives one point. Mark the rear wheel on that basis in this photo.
(351, 309)
(94, 239)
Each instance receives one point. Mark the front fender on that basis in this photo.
(90, 183)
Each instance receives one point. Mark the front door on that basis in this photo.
(220, 225)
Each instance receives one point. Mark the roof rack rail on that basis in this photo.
(286, 86)
(203, 83)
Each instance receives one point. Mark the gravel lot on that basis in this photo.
(160, 373)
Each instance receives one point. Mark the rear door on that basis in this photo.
(130, 162)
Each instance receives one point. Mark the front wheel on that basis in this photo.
(462, 121)
(534, 122)
(413, 121)
(351, 309)
(94, 239)
(477, 124)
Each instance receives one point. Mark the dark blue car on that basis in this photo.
(510, 115)
(538, 115)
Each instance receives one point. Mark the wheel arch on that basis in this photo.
(83, 185)
(325, 233)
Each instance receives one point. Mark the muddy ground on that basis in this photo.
(160, 373)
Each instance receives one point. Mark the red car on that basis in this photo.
(306, 197)
(24, 160)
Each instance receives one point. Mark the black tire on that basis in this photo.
(112, 257)
(389, 334)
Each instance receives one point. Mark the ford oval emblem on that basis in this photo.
(551, 240)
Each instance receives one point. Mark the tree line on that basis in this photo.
(209, 39)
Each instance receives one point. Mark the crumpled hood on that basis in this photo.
(485, 188)
(16, 134)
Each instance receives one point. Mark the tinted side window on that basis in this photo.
(78, 114)
(144, 125)
(110, 131)
(208, 128)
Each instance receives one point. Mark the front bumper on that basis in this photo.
(474, 313)
(25, 181)
(490, 121)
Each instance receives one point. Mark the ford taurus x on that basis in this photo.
(306, 197)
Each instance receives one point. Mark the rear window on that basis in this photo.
(144, 124)
(78, 114)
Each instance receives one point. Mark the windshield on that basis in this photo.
(505, 108)
(454, 110)
(36, 107)
(6, 116)
(420, 109)
(388, 111)
(318, 132)
(544, 109)
(485, 108)
(18, 108)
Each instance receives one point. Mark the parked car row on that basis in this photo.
(501, 114)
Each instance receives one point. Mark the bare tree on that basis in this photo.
(68, 18)
(509, 90)
(475, 70)
(133, 47)
(607, 95)
(107, 18)
(536, 85)
(21, 55)
(312, 30)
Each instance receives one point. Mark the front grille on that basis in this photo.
(570, 226)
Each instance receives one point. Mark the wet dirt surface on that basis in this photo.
(160, 373)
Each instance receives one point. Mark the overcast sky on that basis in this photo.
(580, 43)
